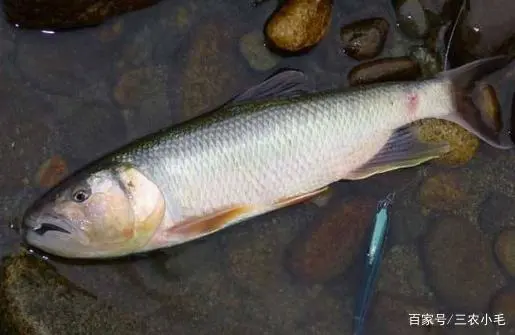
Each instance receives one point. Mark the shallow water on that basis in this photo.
(83, 93)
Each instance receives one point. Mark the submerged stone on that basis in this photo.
(35, 300)
(299, 24)
(383, 70)
(412, 18)
(364, 39)
(67, 14)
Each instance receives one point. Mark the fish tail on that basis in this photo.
(467, 113)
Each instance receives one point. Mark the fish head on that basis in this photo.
(105, 213)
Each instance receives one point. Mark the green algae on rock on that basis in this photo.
(67, 14)
(364, 39)
(329, 247)
(299, 24)
(36, 300)
(383, 70)
(461, 266)
(463, 144)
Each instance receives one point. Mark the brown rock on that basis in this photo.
(63, 14)
(463, 144)
(299, 24)
(52, 171)
(329, 248)
(36, 300)
(497, 212)
(445, 191)
(383, 70)
(505, 250)
(364, 39)
(462, 269)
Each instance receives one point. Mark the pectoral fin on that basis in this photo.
(201, 226)
(402, 150)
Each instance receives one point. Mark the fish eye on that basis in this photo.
(80, 195)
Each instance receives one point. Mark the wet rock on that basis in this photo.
(407, 223)
(504, 303)
(58, 14)
(6, 39)
(462, 269)
(364, 39)
(497, 212)
(429, 62)
(463, 144)
(402, 274)
(212, 75)
(111, 31)
(383, 70)
(37, 300)
(486, 30)
(51, 172)
(74, 65)
(299, 24)
(505, 250)
(412, 18)
(253, 48)
(391, 316)
(489, 104)
(445, 191)
(330, 246)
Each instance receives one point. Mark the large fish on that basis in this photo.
(270, 147)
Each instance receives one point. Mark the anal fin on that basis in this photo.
(402, 150)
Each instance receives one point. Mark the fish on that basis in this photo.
(274, 145)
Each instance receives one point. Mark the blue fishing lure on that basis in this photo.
(373, 261)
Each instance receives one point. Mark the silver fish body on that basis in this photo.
(245, 159)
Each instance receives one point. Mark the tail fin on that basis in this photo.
(466, 113)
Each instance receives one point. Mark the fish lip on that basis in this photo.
(46, 222)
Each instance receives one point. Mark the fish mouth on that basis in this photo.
(45, 227)
(43, 224)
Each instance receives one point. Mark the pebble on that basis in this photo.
(497, 212)
(412, 18)
(329, 246)
(463, 144)
(461, 266)
(299, 24)
(364, 39)
(505, 250)
(445, 191)
(253, 48)
(383, 70)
